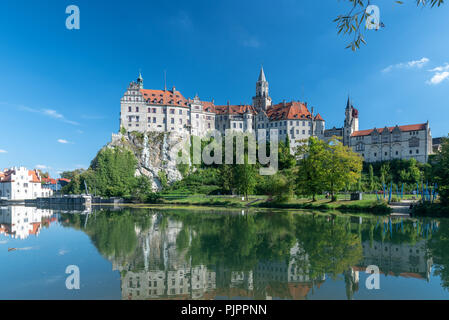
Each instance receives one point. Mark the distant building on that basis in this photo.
(19, 183)
(54, 184)
(388, 143)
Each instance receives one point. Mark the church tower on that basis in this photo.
(351, 122)
(262, 100)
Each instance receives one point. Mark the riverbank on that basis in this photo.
(430, 210)
(323, 205)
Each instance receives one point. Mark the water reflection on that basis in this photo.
(19, 222)
(182, 254)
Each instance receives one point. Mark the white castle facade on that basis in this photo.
(165, 110)
(384, 144)
(146, 110)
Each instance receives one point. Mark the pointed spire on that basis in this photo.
(349, 103)
(262, 75)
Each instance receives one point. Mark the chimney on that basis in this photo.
(174, 89)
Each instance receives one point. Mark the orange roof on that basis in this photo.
(411, 127)
(49, 180)
(318, 117)
(164, 97)
(289, 111)
(34, 176)
(235, 109)
(208, 106)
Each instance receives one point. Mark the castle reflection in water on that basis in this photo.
(159, 268)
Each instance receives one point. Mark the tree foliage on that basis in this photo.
(353, 23)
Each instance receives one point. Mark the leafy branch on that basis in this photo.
(354, 22)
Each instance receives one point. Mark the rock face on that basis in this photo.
(156, 153)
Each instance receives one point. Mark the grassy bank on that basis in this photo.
(430, 210)
(342, 204)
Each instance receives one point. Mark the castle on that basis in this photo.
(384, 144)
(168, 110)
(165, 110)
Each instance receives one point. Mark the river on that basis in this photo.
(155, 253)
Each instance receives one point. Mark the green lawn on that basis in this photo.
(369, 204)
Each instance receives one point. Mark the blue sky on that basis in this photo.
(60, 89)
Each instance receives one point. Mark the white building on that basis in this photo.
(384, 144)
(167, 110)
(19, 183)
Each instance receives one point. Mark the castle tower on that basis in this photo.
(262, 99)
(140, 81)
(351, 122)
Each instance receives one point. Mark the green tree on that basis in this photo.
(441, 171)
(342, 166)
(245, 177)
(371, 178)
(310, 177)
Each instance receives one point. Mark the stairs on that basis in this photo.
(401, 209)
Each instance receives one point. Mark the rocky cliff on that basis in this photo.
(156, 153)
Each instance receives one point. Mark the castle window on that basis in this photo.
(137, 109)
(180, 111)
(129, 109)
(386, 153)
(397, 153)
(172, 120)
(411, 152)
(172, 111)
(417, 151)
(375, 154)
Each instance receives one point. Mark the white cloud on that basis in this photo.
(438, 78)
(3, 151)
(407, 65)
(50, 113)
(63, 141)
(440, 74)
(42, 167)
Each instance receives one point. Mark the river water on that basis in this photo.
(219, 254)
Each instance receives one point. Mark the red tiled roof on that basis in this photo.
(208, 106)
(49, 180)
(235, 109)
(164, 97)
(34, 176)
(411, 127)
(318, 117)
(289, 111)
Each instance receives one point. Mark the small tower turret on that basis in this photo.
(262, 99)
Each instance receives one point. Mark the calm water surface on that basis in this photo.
(183, 254)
